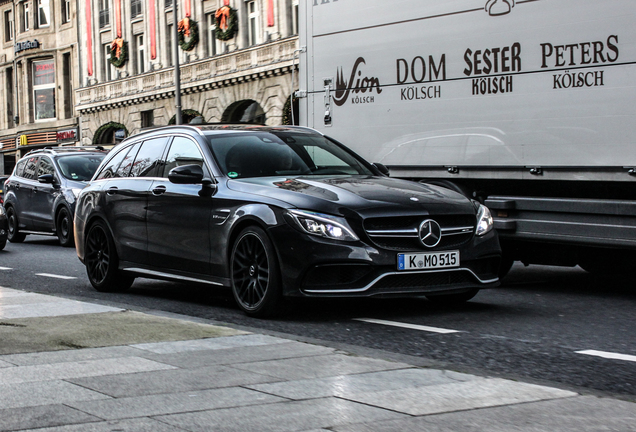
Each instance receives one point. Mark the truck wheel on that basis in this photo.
(14, 235)
(452, 299)
(64, 227)
(255, 273)
(102, 262)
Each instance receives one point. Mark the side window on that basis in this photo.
(148, 158)
(45, 167)
(110, 168)
(19, 168)
(30, 168)
(183, 151)
(126, 164)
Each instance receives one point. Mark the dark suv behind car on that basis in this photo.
(40, 195)
(273, 212)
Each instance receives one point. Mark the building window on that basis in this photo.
(135, 8)
(66, 11)
(147, 118)
(44, 14)
(107, 67)
(294, 16)
(253, 25)
(25, 16)
(168, 4)
(104, 14)
(44, 89)
(8, 26)
(140, 54)
(211, 39)
(169, 36)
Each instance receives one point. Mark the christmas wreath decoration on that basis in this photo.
(226, 20)
(188, 28)
(118, 52)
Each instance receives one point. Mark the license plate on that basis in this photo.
(427, 261)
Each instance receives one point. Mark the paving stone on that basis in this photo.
(43, 393)
(282, 417)
(245, 354)
(459, 396)
(210, 344)
(319, 366)
(171, 381)
(349, 385)
(33, 417)
(576, 414)
(129, 425)
(57, 371)
(69, 355)
(154, 405)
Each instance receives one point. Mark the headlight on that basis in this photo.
(484, 221)
(323, 225)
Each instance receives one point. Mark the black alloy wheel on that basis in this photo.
(452, 299)
(255, 273)
(101, 261)
(14, 235)
(64, 227)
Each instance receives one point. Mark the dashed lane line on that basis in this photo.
(6, 268)
(608, 355)
(55, 276)
(408, 326)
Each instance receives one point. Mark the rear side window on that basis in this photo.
(19, 168)
(127, 163)
(30, 168)
(110, 169)
(148, 158)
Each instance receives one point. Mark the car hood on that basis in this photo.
(366, 195)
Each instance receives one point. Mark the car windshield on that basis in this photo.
(263, 154)
(79, 167)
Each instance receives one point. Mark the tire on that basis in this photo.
(14, 235)
(3, 243)
(101, 261)
(64, 227)
(255, 274)
(452, 299)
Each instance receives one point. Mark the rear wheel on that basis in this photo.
(102, 262)
(452, 299)
(14, 235)
(64, 227)
(255, 274)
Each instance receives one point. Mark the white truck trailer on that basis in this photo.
(526, 105)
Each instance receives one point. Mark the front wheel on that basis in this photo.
(64, 227)
(452, 299)
(14, 235)
(255, 273)
(102, 262)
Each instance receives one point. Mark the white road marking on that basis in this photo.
(6, 268)
(406, 325)
(608, 355)
(55, 276)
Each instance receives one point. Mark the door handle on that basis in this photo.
(159, 190)
(112, 190)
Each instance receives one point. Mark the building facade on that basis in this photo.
(38, 74)
(236, 59)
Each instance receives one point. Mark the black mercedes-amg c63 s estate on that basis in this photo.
(273, 212)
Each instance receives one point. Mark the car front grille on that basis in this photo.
(401, 233)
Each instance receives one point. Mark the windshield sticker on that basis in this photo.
(232, 174)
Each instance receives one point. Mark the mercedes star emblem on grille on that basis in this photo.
(430, 233)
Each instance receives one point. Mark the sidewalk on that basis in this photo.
(73, 366)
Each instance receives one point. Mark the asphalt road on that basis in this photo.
(550, 325)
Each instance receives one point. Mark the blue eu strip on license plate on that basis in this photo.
(425, 261)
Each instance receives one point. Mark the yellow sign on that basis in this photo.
(23, 140)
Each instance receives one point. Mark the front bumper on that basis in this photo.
(316, 267)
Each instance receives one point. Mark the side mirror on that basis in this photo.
(382, 168)
(46, 178)
(186, 174)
